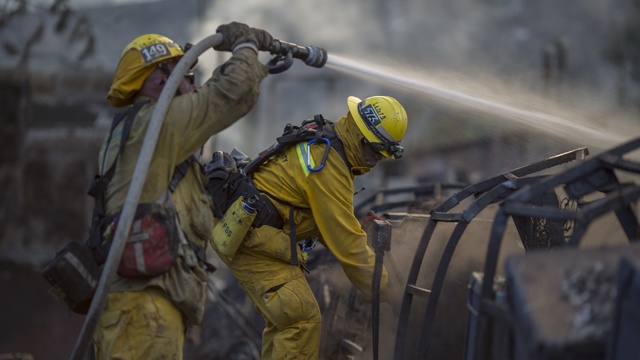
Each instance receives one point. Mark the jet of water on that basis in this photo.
(500, 111)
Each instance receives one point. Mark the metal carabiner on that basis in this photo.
(324, 156)
(308, 244)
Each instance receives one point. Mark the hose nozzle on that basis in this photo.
(285, 53)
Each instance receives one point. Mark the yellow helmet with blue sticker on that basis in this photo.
(382, 121)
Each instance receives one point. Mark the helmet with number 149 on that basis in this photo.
(139, 58)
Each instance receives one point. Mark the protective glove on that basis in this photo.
(264, 39)
(234, 34)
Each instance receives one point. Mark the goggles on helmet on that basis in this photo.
(393, 148)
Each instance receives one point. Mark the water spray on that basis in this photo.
(285, 53)
(530, 119)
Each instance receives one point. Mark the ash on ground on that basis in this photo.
(591, 292)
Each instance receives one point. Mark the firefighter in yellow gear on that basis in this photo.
(323, 206)
(146, 317)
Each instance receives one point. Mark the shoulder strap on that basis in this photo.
(128, 116)
(316, 128)
(99, 184)
(335, 142)
(180, 171)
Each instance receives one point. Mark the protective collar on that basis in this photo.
(350, 135)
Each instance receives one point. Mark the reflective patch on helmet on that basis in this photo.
(372, 119)
(369, 114)
(153, 52)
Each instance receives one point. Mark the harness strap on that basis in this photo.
(324, 131)
(99, 185)
(195, 250)
(180, 171)
(128, 115)
(201, 255)
(292, 237)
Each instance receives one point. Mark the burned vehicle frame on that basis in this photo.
(541, 222)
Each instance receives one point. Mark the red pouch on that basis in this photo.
(152, 246)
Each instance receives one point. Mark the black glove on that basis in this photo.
(233, 34)
(264, 39)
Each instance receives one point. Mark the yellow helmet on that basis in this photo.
(137, 61)
(382, 121)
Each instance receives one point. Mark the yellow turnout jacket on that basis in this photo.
(323, 203)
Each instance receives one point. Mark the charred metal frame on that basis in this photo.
(375, 202)
(593, 176)
(487, 192)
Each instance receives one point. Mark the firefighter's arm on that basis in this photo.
(228, 95)
(330, 195)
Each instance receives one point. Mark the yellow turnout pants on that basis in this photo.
(280, 293)
(293, 323)
(139, 325)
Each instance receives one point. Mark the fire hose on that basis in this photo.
(284, 51)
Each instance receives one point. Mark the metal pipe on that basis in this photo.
(379, 232)
(135, 190)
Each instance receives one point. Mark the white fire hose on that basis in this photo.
(135, 190)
